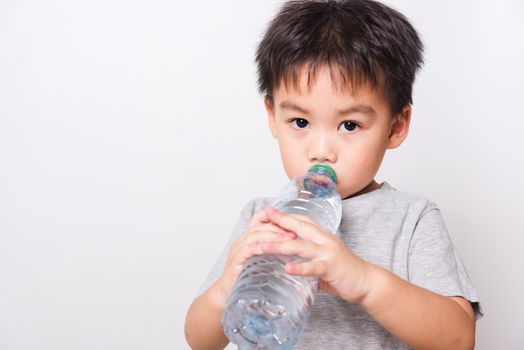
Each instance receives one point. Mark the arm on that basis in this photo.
(203, 317)
(203, 327)
(417, 316)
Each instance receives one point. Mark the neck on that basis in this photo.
(373, 185)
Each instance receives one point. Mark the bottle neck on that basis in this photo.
(320, 181)
(325, 170)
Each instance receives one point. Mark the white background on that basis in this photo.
(131, 135)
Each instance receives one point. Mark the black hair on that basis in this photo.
(362, 41)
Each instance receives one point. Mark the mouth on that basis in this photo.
(325, 170)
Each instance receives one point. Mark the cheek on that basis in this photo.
(371, 145)
(292, 158)
(363, 158)
(369, 155)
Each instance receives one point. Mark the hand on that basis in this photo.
(340, 272)
(260, 230)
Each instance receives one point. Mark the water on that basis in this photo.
(322, 212)
(268, 308)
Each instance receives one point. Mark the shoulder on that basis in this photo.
(408, 201)
(249, 209)
(255, 205)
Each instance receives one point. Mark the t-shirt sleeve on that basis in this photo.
(433, 262)
(240, 228)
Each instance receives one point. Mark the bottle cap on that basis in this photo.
(325, 170)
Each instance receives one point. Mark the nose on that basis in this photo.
(322, 149)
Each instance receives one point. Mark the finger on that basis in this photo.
(258, 218)
(243, 253)
(266, 233)
(298, 247)
(303, 229)
(302, 218)
(310, 268)
(262, 236)
(276, 229)
(268, 237)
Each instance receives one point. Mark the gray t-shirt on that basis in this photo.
(396, 230)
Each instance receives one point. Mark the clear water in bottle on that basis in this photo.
(268, 308)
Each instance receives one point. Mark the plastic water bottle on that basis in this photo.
(268, 308)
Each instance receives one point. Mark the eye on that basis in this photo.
(299, 123)
(349, 127)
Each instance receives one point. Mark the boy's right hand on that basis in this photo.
(260, 230)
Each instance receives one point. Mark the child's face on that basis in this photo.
(310, 129)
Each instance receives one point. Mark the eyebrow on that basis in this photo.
(358, 108)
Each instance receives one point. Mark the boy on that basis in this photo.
(337, 78)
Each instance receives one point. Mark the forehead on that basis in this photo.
(328, 84)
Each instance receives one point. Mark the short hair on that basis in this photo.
(361, 41)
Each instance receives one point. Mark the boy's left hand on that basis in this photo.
(340, 272)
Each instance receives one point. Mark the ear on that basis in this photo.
(400, 127)
(269, 105)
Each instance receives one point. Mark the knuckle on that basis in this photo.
(245, 252)
(256, 249)
(304, 218)
(267, 227)
(257, 218)
(318, 272)
(235, 245)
